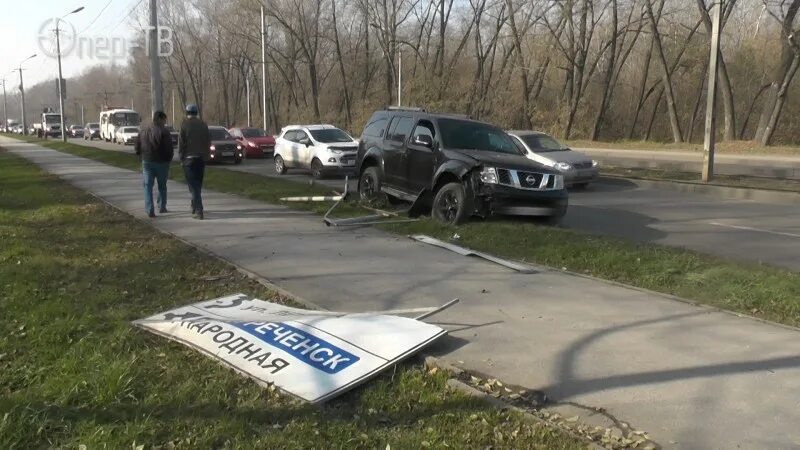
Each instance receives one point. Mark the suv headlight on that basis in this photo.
(335, 152)
(238, 147)
(559, 182)
(562, 166)
(489, 175)
(595, 163)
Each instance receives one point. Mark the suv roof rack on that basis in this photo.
(405, 108)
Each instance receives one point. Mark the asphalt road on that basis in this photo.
(742, 230)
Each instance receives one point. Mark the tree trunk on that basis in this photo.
(348, 117)
(523, 70)
(725, 89)
(598, 122)
(666, 77)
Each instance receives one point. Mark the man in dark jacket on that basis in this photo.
(154, 148)
(195, 149)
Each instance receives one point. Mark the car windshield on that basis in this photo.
(52, 118)
(94, 125)
(253, 132)
(475, 136)
(542, 143)
(130, 130)
(330, 135)
(219, 134)
(169, 128)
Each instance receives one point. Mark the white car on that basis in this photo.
(578, 168)
(324, 149)
(127, 135)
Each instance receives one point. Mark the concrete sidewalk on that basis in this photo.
(772, 166)
(692, 377)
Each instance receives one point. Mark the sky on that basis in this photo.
(101, 24)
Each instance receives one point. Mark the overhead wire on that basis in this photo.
(96, 17)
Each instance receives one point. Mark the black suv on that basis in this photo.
(453, 166)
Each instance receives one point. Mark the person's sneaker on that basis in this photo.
(151, 214)
(194, 210)
(163, 211)
(199, 215)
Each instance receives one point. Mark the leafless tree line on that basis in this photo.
(582, 69)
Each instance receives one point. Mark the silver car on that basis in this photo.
(578, 169)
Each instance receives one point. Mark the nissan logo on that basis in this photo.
(530, 179)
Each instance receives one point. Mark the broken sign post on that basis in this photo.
(314, 355)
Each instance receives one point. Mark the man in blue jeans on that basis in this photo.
(194, 150)
(154, 148)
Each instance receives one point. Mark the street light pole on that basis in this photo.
(711, 99)
(263, 67)
(157, 102)
(22, 95)
(60, 76)
(5, 106)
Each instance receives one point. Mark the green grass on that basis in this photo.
(73, 371)
(760, 290)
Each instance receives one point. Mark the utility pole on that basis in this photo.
(173, 106)
(247, 88)
(22, 95)
(711, 99)
(263, 67)
(399, 78)
(5, 106)
(157, 102)
(60, 76)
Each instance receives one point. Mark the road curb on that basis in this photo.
(722, 192)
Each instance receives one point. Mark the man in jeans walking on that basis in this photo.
(194, 149)
(154, 148)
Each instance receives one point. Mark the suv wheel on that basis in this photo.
(451, 204)
(280, 166)
(316, 168)
(369, 185)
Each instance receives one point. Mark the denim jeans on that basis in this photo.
(158, 171)
(194, 169)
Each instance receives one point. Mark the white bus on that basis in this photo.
(112, 119)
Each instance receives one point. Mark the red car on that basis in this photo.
(256, 142)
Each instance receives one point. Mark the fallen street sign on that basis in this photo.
(314, 355)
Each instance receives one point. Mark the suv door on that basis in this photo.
(287, 150)
(394, 151)
(304, 151)
(420, 159)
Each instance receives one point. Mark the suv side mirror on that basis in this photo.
(423, 140)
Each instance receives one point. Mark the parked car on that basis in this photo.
(91, 131)
(453, 166)
(223, 146)
(257, 143)
(324, 149)
(126, 135)
(578, 169)
(75, 131)
(173, 134)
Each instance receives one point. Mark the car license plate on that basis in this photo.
(348, 162)
(227, 153)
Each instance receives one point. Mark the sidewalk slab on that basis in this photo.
(692, 377)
